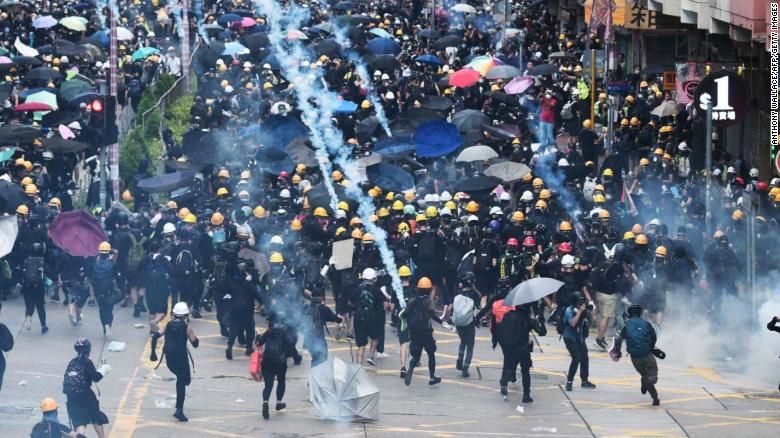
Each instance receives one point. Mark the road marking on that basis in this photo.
(709, 374)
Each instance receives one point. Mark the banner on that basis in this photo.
(689, 74)
(342, 253)
(618, 12)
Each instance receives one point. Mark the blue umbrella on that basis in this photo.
(274, 161)
(380, 33)
(383, 46)
(437, 138)
(346, 107)
(399, 145)
(228, 18)
(279, 131)
(430, 59)
(344, 6)
(234, 48)
(102, 37)
(390, 177)
(44, 22)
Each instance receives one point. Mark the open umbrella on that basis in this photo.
(234, 48)
(437, 138)
(226, 19)
(483, 64)
(294, 34)
(318, 196)
(58, 144)
(12, 133)
(542, 70)
(29, 61)
(386, 63)
(60, 117)
(44, 22)
(469, 120)
(503, 72)
(429, 59)
(464, 78)
(43, 97)
(476, 153)
(324, 27)
(124, 34)
(43, 74)
(508, 171)
(257, 40)
(328, 47)
(67, 48)
(11, 196)
(437, 103)
(7, 153)
(506, 99)
(464, 8)
(394, 146)
(248, 22)
(418, 116)
(429, 33)
(503, 131)
(519, 85)
(300, 152)
(145, 52)
(281, 130)
(446, 41)
(32, 106)
(665, 109)
(9, 229)
(77, 233)
(383, 46)
(167, 182)
(561, 55)
(477, 186)
(532, 290)
(78, 24)
(346, 107)
(390, 177)
(344, 6)
(72, 88)
(342, 391)
(381, 33)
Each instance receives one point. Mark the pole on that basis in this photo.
(592, 86)
(610, 106)
(708, 180)
(506, 18)
(113, 149)
(185, 45)
(433, 14)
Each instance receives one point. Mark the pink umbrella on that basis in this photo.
(519, 85)
(66, 132)
(32, 106)
(442, 13)
(248, 22)
(464, 78)
(77, 233)
(5, 60)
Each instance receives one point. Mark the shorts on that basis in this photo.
(607, 305)
(84, 410)
(157, 302)
(365, 331)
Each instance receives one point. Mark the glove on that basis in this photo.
(196, 342)
(104, 369)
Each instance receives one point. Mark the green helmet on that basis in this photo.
(409, 209)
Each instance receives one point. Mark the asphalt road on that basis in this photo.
(706, 401)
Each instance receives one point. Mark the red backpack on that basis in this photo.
(499, 310)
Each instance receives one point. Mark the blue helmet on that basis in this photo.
(495, 225)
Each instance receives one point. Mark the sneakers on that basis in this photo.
(371, 361)
(504, 391)
(44, 329)
(179, 414)
(459, 363)
(434, 380)
(527, 398)
(382, 355)
(107, 331)
(465, 372)
(588, 385)
(28, 324)
(229, 354)
(408, 376)
(568, 386)
(72, 319)
(153, 357)
(265, 410)
(403, 372)
(280, 405)
(137, 311)
(656, 401)
(196, 314)
(601, 342)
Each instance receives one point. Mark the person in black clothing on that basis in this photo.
(640, 343)
(576, 323)
(314, 337)
(177, 356)
(6, 344)
(33, 287)
(50, 426)
(83, 406)
(72, 275)
(156, 269)
(274, 364)
(369, 318)
(513, 336)
(241, 305)
(102, 275)
(418, 314)
(467, 332)
(771, 326)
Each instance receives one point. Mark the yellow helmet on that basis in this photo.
(565, 226)
(644, 162)
(55, 202)
(587, 124)
(667, 156)
(183, 212)
(527, 177)
(718, 234)
(472, 207)
(222, 191)
(31, 189)
(368, 237)
(259, 212)
(171, 205)
(127, 196)
(337, 175)
(541, 204)
(397, 206)
(737, 215)
(355, 221)
(634, 121)
(451, 205)
(223, 174)
(217, 219)
(599, 188)
(190, 219)
(624, 122)
(545, 194)
(343, 206)
(104, 247)
(660, 251)
(629, 98)
(774, 192)
(637, 229)
(340, 230)
(538, 183)
(431, 211)
(599, 199)
(356, 233)
(389, 196)
(48, 404)
(607, 172)
(516, 141)
(365, 104)
(603, 214)
(296, 225)
(420, 218)
(276, 257)
(26, 181)
(641, 239)
(404, 271)
(383, 212)
(643, 84)
(658, 151)
(320, 212)
(23, 210)
(300, 168)
(296, 179)
(373, 193)
(403, 227)
(518, 216)
(245, 174)
(628, 235)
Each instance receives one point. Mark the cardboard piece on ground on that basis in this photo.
(342, 254)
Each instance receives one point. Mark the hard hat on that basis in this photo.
(496, 211)
(660, 251)
(369, 274)
(431, 211)
(259, 212)
(774, 193)
(607, 172)
(169, 228)
(644, 162)
(337, 175)
(545, 194)
(753, 173)
(587, 124)
(181, 309)
(505, 196)
(624, 122)
(31, 189)
(320, 212)
(643, 84)
(368, 237)
(267, 86)
(355, 221)
(527, 196)
(343, 206)
(104, 247)
(445, 196)
(222, 191)
(373, 193)
(300, 168)
(667, 156)
(397, 206)
(737, 215)
(599, 199)
(383, 212)
(171, 205)
(55, 202)
(421, 218)
(629, 235)
(356, 234)
(658, 151)
(217, 219)
(527, 177)
(276, 240)
(183, 212)
(48, 404)
(296, 225)
(634, 121)
(365, 104)
(629, 98)
(538, 183)
(472, 207)
(404, 271)
(245, 174)
(541, 204)
(472, 218)
(565, 226)
(641, 239)
(516, 141)
(512, 242)
(451, 205)
(567, 261)
(599, 188)
(223, 174)
(529, 241)
(127, 196)
(424, 283)
(190, 219)
(276, 257)
(589, 163)
(340, 230)
(603, 214)
(718, 234)
(26, 181)
(409, 209)
(518, 216)
(403, 227)
(564, 247)
(23, 210)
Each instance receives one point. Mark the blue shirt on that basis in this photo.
(569, 332)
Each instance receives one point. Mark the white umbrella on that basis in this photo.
(343, 391)
(463, 7)
(124, 34)
(667, 108)
(532, 290)
(9, 228)
(476, 153)
(508, 171)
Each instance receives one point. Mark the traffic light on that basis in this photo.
(102, 121)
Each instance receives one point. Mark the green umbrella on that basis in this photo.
(79, 24)
(145, 52)
(42, 97)
(72, 88)
(7, 154)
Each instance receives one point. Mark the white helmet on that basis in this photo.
(390, 95)
(774, 182)
(277, 240)
(505, 196)
(683, 146)
(385, 77)
(496, 210)
(567, 261)
(655, 222)
(472, 218)
(754, 173)
(527, 196)
(428, 198)
(563, 162)
(369, 274)
(169, 228)
(377, 73)
(434, 198)
(731, 170)
(340, 214)
(181, 309)
(445, 212)
(445, 196)
(716, 172)
(284, 194)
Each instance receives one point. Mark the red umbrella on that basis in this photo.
(464, 78)
(32, 106)
(77, 233)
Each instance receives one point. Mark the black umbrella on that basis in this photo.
(402, 126)
(42, 74)
(469, 120)
(68, 48)
(366, 128)
(496, 131)
(181, 165)
(477, 186)
(257, 40)
(390, 177)
(447, 41)
(344, 6)
(167, 182)
(418, 116)
(204, 147)
(328, 47)
(386, 63)
(543, 69)
(437, 103)
(6, 89)
(5, 67)
(503, 72)
(56, 118)
(58, 144)
(506, 99)
(561, 55)
(243, 12)
(301, 153)
(228, 18)
(274, 161)
(11, 196)
(28, 61)
(18, 134)
(429, 33)
(318, 196)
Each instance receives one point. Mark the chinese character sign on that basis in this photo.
(639, 17)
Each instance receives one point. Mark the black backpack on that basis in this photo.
(417, 316)
(33, 270)
(45, 429)
(155, 271)
(274, 349)
(103, 276)
(75, 381)
(365, 311)
(184, 264)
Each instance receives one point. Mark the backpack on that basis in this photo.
(6, 339)
(639, 337)
(427, 249)
(103, 277)
(44, 429)
(462, 310)
(184, 265)
(33, 270)
(365, 311)
(566, 111)
(417, 317)
(274, 350)
(75, 381)
(136, 254)
(500, 310)
(484, 259)
(155, 271)
(218, 236)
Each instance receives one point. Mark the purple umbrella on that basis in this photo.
(519, 85)
(77, 233)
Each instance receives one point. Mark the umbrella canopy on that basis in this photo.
(167, 182)
(7, 153)
(366, 128)
(234, 48)
(447, 41)
(77, 233)
(203, 147)
(29, 61)
(73, 87)
(394, 146)
(483, 64)
(437, 138)
(226, 19)
(561, 55)
(503, 72)
(43, 74)
(318, 196)
(328, 47)
(257, 40)
(78, 24)
(469, 120)
(145, 52)
(464, 78)
(32, 106)
(386, 63)
(532, 290)
(300, 152)
(477, 186)
(341, 390)
(390, 177)
(506, 99)
(519, 85)
(12, 133)
(503, 131)
(60, 145)
(437, 103)
(294, 34)
(44, 22)
(248, 22)
(476, 153)
(281, 130)
(418, 116)
(324, 27)
(381, 33)
(429, 59)
(11, 196)
(9, 229)
(383, 46)
(464, 8)
(68, 48)
(43, 97)
(429, 33)
(124, 34)
(665, 109)
(542, 70)
(508, 171)
(274, 161)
